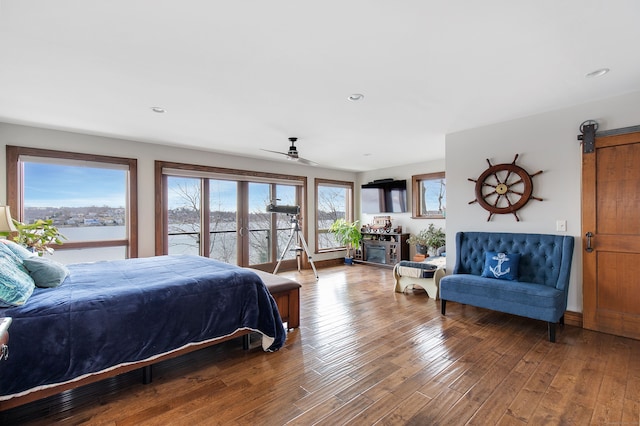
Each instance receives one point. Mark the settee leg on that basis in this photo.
(146, 374)
(443, 306)
(552, 331)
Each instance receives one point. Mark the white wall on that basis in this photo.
(545, 142)
(409, 225)
(146, 154)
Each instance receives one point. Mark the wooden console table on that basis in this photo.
(383, 248)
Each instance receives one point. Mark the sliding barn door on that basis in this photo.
(611, 235)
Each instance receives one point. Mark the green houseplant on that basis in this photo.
(38, 236)
(428, 240)
(347, 234)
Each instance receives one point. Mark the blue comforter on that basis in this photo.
(109, 313)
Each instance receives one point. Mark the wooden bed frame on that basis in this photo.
(286, 293)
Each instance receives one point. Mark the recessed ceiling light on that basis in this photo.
(159, 110)
(356, 97)
(597, 73)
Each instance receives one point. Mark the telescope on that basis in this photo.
(296, 235)
(292, 210)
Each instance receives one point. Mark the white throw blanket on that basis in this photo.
(407, 271)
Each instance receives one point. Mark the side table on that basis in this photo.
(426, 274)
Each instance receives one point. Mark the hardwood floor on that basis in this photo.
(366, 355)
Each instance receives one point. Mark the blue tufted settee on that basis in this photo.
(540, 289)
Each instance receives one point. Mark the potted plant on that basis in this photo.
(428, 240)
(347, 234)
(37, 236)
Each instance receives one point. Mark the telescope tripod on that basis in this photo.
(299, 238)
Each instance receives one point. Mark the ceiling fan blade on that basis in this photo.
(275, 152)
(307, 162)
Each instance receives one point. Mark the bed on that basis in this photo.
(115, 316)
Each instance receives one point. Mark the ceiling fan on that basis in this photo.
(293, 154)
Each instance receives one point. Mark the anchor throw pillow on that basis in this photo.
(503, 266)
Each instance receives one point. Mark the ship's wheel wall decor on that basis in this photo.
(504, 188)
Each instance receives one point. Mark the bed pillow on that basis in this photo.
(503, 266)
(17, 249)
(15, 284)
(6, 253)
(45, 272)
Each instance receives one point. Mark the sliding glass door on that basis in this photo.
(240, 230)
(187, 217)
(266, 234)
(259, 229)
(183, 215)
(223, 220)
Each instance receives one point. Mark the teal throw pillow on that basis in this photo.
(6, 253)
(16, 286)
(46, 272)
(503, 266)
(17, 249)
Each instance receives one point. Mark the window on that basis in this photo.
(90, 198)
(429, 192)
(183, 215)
(231, 204)
(334, 200)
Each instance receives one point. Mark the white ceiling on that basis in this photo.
(238, 76)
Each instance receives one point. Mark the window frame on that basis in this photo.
(349, 207)
(416, 182)
(209, 172)
(15, 194)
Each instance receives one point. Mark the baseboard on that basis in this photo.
(329, 262)
(573, 318)
(318, 263)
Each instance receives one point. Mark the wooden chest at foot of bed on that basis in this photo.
(286, 293)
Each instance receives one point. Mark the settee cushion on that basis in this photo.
(506, 291)
(501, 266)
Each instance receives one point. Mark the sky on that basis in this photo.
(48, 185)
(54, 185)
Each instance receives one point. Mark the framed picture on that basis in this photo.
(429, 192)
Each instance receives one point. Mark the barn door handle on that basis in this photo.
(589, 235)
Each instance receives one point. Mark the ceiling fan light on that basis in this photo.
(356, 97)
